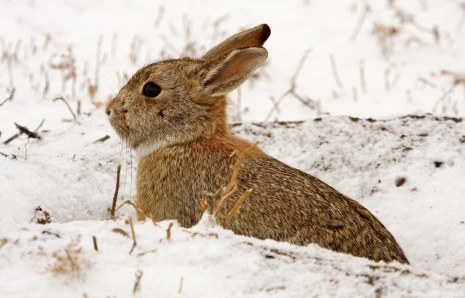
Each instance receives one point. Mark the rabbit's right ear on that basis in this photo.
(229, 71)
(254, 37)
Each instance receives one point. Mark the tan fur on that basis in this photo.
(185, 148)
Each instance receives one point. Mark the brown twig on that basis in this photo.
(115, 195)
(360, 21)
(102, 139)
(94, 241)
(180, 285)
(133, 234)
(335, 73)
(226, 192)
(130, 202)
(292, 87)
(363, 84)
(236, 206)
(69, 108)
(168, 231)
(22, 130)
(136, 287)
(10, 97)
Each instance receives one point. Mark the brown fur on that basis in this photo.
(185, 148)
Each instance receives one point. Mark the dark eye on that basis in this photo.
(151, 89)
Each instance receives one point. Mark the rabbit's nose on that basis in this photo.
(107, 111)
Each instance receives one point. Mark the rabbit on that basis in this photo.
(173, 114)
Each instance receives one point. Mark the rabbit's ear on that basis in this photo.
(254, 37)
(230, 71)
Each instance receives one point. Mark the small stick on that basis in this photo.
(5, 155)
(360, 22)
(69, 108)
(97, 62)
(115, 195)
(168, 231)
(10, 97)
(354, 93)
(102, 139)
(180, 285)
(335, 74)
(129, 202)
(223, 200)
(363, 84)
(236, 206)
(136, 287)
(25, 129)
(30, 134)
(133, 234)
(94, 241)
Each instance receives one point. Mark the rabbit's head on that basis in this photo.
(179, 101)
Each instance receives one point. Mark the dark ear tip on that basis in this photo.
(265, 31)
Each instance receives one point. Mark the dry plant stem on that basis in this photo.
(115, 195)
(69, 108)
(94, 241)
(335, 73)
(9, 98)
(97, 62)
(130, 202)
(236, 206)
(227, 191)
(30, 134)
(102, 139)
(180, 285)
(363, 84)
(224, 197)
(133, 234)
(136, 287)
(293, 85)
(21, 132)
(360, 22)
(354, 93)
(168, 231)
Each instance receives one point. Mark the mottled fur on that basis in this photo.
(185, 147)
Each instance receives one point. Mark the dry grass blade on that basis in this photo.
(360, 21)
(102, 139)
(9, 98)
(168, 231)
(22, 129)
(94, 242)
(236, 206)
(180, 285)
(115, 195)
(136, 287)
(69, 108)
(292, 88)
(335, 72)
(229, 190)
(130, 202)
(133, 234)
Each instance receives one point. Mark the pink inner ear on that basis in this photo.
(239, 64)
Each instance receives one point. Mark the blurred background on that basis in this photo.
(362, 58)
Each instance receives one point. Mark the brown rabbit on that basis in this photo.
(173, 114)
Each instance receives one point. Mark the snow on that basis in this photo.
(407, 170)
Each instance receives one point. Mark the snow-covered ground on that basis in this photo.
(390, 60)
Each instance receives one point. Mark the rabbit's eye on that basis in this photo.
(151, 89)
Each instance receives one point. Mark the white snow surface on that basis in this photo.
(407, 170)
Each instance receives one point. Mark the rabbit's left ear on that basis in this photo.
(228, 72)
(253, 37)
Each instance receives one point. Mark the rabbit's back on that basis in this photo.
(289, 205)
